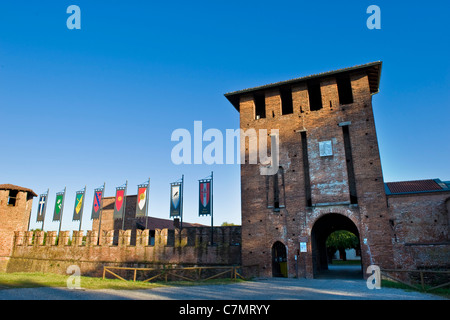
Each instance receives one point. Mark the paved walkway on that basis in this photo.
(345, 272)
(263, 289)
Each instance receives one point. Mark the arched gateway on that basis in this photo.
(322, 229)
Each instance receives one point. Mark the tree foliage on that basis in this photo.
(227, 224)
(342, 239)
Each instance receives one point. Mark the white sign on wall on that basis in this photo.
(303, 247)
(325, 148)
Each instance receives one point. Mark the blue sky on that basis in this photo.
(83, 107)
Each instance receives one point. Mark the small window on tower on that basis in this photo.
(260, 105)
(286, 100)
(12, 197)
(315, 96)
(344, 86)
(275, 196)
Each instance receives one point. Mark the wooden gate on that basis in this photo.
(188, 273)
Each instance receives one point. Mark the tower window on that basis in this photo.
(344, 86)
(286, 100)
(315, 96)
(307, 179)
(276, 197)
(349, 161)
(12, 197)
(260, 105)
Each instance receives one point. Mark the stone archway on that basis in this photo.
(279, 260)
(322, 228)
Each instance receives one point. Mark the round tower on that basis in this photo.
(15, 209)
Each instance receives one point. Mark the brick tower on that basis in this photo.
(329, 175)
(15, 209)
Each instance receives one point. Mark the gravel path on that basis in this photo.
(263, 289)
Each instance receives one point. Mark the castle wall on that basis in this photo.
(190, 247)
(12, 218)
(421, 223)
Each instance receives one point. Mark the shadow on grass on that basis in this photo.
(442, 292)
(35, 280)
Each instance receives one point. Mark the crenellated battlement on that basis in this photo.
(47, 252)
(191, 236)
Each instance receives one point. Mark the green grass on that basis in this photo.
(37, 279)
(348, 262)
(443, 292)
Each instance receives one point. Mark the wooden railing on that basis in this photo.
(195, 273)
(387, 272)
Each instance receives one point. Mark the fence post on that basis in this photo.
(422, 282)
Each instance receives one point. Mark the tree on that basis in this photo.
(227, 224)
(341, 240)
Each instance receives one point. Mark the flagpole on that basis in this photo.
(181, 208)
(45, 208)
(82, 207)
(100, 213)
(146, 207)
(212, 209)
(62, 211)
(124, 205)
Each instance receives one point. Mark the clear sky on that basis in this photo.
(83, 107)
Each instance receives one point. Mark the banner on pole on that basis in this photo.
(119, 207)
(175, 199)
(79, 204)
(42, 207)
(205, 197)
(142, 200)
(97, 205)
(59, 203)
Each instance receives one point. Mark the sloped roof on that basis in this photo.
(8, 186)
(152, 222)
(373, 70)
(159, 223)
(416, 186)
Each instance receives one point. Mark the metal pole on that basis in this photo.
(62, 211)
(182, 196)
(82, 207)
(124, 213)
(147, 199)
(100, 213)
(212, 209)
(45, 208)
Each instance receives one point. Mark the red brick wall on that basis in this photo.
(107, 220)
(12, 218)
(170, 247)
(261, 226)
(421, 229)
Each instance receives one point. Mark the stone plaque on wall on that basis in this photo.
(325, 148)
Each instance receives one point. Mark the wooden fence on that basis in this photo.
(387, 273)
(187, 273)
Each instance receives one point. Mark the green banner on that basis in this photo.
(78, 209)
(58, 206)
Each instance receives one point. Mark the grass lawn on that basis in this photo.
(443, 292)
(37, 279)
(348, 262)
